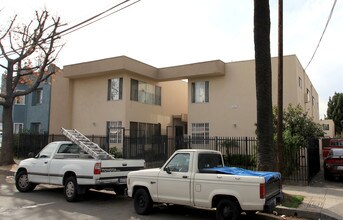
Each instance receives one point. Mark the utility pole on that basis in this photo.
(280, 91)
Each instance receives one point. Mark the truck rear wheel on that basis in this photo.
(70, 189)
(22, 182)
(227, 210)
(142, 202)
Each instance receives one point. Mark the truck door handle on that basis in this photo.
(185, 177)
(46, 162)
(219, 176)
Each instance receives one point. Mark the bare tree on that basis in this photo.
(266, 152)
(27, 56)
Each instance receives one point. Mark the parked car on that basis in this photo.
(333, 163)
(334, 143)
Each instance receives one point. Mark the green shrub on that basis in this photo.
(115, 152)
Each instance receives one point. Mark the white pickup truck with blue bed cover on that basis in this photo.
(198, 178)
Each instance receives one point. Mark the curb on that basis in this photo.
(308, 214)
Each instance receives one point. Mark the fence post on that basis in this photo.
(216, 142)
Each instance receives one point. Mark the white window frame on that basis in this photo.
(200, 133)
(115, 132)
(18, 127)
(20, 100)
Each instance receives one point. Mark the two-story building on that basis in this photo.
(206, 99)
(31, 112)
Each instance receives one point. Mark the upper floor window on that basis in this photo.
(300, 82)
(200, 92)
(37, 97)
(308, 95)
(326, 127)
(19, 100)
(145, 93)
(115, 88)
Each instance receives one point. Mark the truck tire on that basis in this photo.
(22, 182)
(142, 202)
(71, 189)
(227, 210)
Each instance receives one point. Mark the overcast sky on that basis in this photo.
(174, 32)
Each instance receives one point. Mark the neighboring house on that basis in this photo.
(121, 94)
(328, 128)
(31, 112)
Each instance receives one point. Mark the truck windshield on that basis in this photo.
(209, 161)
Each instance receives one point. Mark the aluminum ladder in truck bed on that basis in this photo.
(87, 145)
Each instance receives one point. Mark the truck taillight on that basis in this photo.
(262, 190)
(97, 168)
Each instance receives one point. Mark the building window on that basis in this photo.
(200, 133)
(326, 127)
(313, 101)
(19, 100)
(308, 95)
(18, 128)
(300, 82)
(37, 97)
(115, 132)
(115, 89)
(145, 93)
(200, 92)
(35, 128)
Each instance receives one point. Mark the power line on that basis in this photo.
(327, 23)
(88, 21)
(84, 23)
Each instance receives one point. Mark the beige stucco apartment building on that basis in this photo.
(203, 99)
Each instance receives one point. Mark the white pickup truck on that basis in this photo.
(65, 163)
(198, 178)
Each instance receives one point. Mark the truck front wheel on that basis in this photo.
(70, 189)
(227, 210)
(142, 202)
(22, 182)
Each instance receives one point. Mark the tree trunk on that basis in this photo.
(6, 155)
(266, 157)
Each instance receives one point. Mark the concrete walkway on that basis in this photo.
(323, 199)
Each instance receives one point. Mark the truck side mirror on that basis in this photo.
(167, 169)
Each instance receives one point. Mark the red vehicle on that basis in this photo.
(334, 143)
(333, 163)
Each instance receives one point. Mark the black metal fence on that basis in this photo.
(300, 165)
(33, 143)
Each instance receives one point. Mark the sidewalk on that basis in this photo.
(323, 200)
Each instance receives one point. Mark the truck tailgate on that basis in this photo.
(118, 169)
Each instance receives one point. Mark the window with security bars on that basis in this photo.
(115, 132)
(200, 133)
